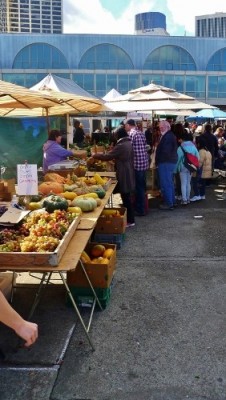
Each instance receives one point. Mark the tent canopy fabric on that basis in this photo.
(155, 97)
(113, 94)
(14, 96)
(58, 84)
(211, 113)
(47, 102)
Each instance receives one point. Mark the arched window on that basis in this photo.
(105, 56)
(40, 56)
(218, 61)
(171, 58)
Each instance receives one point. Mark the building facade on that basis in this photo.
(150, 23)
(212, 25)
(192, 65)
(31, 16)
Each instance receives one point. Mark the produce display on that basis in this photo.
(98, 254)
(38, 232)
(59, 202)
(72, 191)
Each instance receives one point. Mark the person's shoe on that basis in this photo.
(203, 197)
(166, 207)
(178, 198)
(195, 198)
(130, 224)
(184, 203)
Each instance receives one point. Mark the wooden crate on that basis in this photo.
(27, 259)
(112, 224)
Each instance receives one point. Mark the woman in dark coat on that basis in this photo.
(122, 153)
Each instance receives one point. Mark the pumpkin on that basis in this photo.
(53, 177)
(46, 188)
(85, 203)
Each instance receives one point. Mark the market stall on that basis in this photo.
(70, 259)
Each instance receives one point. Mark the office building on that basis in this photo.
(150, 23)
(213, 25)
(31, 16)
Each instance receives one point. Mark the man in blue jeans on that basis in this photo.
(141, 164)
(166, 160)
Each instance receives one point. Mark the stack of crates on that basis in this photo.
(101, 276)
(111, 226)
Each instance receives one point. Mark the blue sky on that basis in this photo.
(117, 16)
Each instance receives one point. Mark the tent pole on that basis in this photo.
(67, 129)
(47, 119)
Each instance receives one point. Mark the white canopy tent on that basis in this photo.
(153, 98)
(112, 95)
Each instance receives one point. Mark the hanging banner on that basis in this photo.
(27, 179)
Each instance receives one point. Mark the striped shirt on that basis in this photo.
(141, 162)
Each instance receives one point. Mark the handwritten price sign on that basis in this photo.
(27, 179)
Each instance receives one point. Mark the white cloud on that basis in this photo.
(88, 16)
(184, 15)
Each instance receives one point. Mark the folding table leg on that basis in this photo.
(38, 293)
(76, 308)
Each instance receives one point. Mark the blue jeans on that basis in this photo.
(199, 184)
(185, 179)
(140, 191)
(166, 178)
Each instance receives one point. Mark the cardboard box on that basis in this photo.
(7, 280)
(100, 275)
(112, 224)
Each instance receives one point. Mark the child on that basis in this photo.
(204, 172)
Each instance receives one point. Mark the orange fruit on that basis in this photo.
(97, 250)
(108, 253)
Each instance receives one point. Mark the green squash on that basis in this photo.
(100, 192)
(53, 202)
(85, 203)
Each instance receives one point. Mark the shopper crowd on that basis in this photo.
(162, 147)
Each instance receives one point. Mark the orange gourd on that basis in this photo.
(46, 188)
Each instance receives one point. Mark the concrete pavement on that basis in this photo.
(162, 337)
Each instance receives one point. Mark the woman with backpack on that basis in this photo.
(186, 146)
(204, 172)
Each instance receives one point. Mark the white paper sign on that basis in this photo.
(27, 179)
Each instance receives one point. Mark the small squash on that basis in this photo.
(52, 203)
(85, 203)
(46, 188)
(100, 192)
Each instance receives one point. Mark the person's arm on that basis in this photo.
(25, 329)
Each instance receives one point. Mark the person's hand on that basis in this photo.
(27, 331)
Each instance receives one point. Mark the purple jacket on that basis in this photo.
(53, 153)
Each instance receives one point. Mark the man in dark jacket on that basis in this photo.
(122, 153)
(166, 160)
(78, 134)
(211, 142)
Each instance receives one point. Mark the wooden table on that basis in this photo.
(69, 261)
